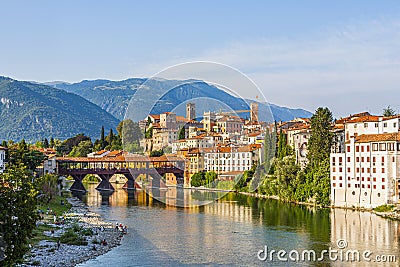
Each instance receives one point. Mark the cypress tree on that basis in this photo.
(102, 138)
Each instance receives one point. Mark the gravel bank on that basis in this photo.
(46, 252)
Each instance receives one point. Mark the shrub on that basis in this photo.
(384, 208)
(70, 237)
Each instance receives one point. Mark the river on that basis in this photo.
(236, 229)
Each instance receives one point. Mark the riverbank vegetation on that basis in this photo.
(23, 193)
(281, 176)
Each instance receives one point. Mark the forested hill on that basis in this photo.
(33, 111)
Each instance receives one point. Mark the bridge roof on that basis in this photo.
(124, 158)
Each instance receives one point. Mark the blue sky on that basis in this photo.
(340, 54)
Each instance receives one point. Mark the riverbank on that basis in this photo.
(393, 214)
(48, 253)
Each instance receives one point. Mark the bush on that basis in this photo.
(384, 208)
(87, 232)
(70, 237)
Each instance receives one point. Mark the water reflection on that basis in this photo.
(231, 230)
(366, 231)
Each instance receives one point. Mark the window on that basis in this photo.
(349, 185)
(340, 178)
(358, 170)
(363, 186)
(373, 159)
(348, 169)
(362, 179)
(382, 147)
(385, 124)
(374, 179)
(383, 159)
(373, 170)
(357, 159)
(340, 169)
(368, 170)
(348, 159)
(348, 178)
(362, 169)
(362, 159)
(374, 186)
(368, 179)
(383, 180)
(383, 170)
(369, 186)
(333, 177)
(368, 159)
(367, 148)
(365, 125)
(340, 185)
(348, 148)
(391, 146)
(374, 147)
(357, 148)
(362, 148)
(334, 184)
(355, 126)
(383, 186)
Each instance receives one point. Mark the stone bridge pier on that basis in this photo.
(105, 184)
(78, 185)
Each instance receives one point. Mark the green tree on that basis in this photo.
(22, 154)
(388, 111)
(156, 153)
(149, 133)
(210, 177)
(47, 186)
(181, 133)
(17, 212)
(82, 149)
(197, 179)
(52, 143)
(321, 139)
(319, 148)
(46, 143)
(130, 135)
(103, 143)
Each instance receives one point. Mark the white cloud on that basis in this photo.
(348, 68)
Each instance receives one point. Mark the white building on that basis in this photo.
(227, 159)
(367, 172)
(2, 159)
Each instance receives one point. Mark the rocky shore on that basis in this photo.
(47, 252)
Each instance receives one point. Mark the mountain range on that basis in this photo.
(58, 109)
(116, 96)
(35, 111)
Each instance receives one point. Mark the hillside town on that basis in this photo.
(364, 160)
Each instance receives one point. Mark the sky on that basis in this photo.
(301, 54)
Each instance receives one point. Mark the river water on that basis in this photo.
(236, 229)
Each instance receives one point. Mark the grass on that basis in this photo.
(384, 208)
(38, 233)
(55, 205)
(70, 237)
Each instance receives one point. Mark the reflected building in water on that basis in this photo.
(365, 231)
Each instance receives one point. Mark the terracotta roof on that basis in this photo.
(364, 119)
(181, 118)
(155, 116)
(391, 117)
(115, 153)
(367, 138)
(100, 152)
(125, 158)
(254, 134)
